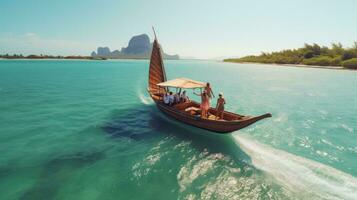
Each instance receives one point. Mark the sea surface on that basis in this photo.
(73, 129)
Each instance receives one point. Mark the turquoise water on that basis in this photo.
(88, 130)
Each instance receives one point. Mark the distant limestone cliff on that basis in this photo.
(139, 47)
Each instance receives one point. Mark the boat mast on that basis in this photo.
(153, 29)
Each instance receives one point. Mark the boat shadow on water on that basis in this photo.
(146, 122)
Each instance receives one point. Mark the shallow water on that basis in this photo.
(88, 130)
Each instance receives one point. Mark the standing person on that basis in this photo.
(209, 91)
(204, 104)
(220, 106)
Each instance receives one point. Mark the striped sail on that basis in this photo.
(157, 71)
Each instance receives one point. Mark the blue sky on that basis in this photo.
(202, 29)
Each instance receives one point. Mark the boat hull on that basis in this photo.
(211, 125)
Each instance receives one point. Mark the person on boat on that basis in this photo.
(204, 104)
(166, 99)
(171, 99)
(220, 106)
(184, 98)
(209, 91)
(177, 98)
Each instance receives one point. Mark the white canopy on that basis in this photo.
(183, 83)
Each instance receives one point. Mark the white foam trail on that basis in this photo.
(301, 175)
(145, 99)
(141, 94)
(349, 129)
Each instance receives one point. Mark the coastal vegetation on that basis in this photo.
(351, 63)
(310, 54)
(20, 56)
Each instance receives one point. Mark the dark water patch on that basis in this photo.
(136, 123)
(5, 171)
(57, 172)
(77, 159)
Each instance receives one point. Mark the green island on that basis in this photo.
(20, 56)
(314, 54)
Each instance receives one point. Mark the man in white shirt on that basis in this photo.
(171, 99)
(166, 99)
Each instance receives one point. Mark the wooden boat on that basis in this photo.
(189, 112)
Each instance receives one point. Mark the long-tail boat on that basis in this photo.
(189, 112)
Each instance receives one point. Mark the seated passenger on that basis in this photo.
(166, 99)
(177, 98)
(171, 99)
(184, 97)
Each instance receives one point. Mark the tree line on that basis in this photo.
(310, 54)
(41, 56)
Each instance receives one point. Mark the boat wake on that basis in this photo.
(144, 98)
(303, 176)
